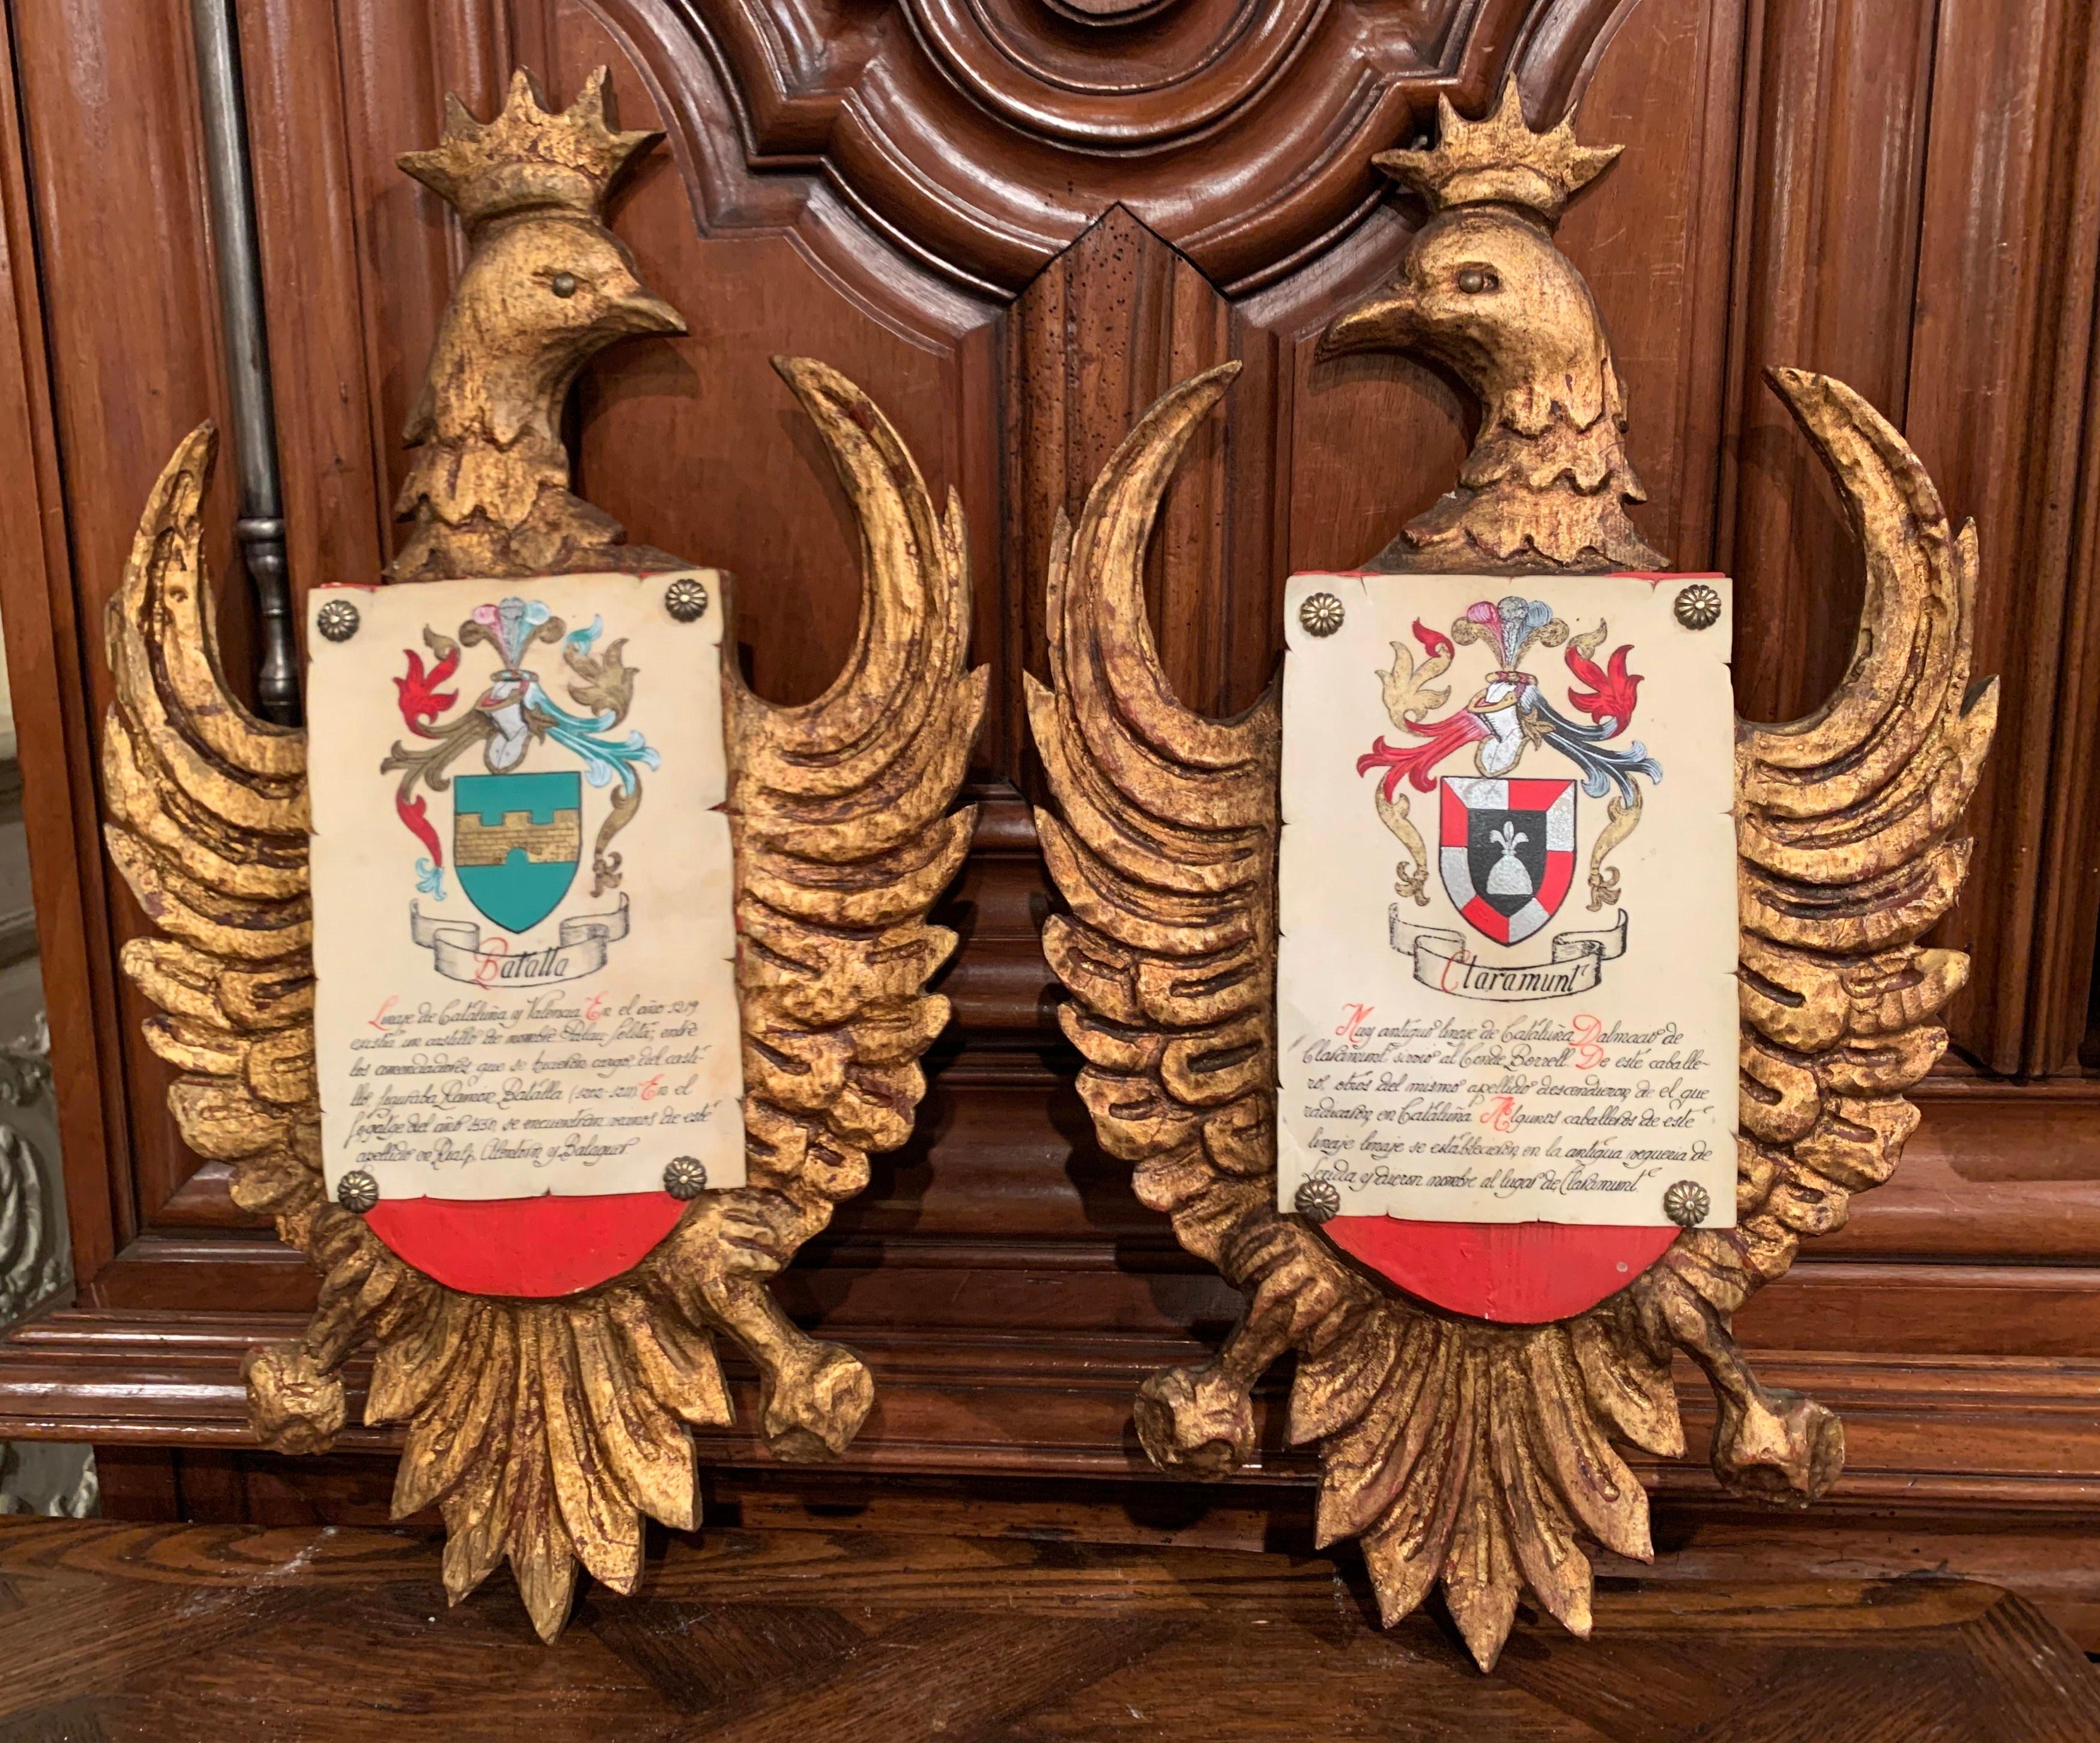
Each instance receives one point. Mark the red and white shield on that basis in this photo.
(1507, 852)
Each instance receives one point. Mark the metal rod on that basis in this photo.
(261, 528)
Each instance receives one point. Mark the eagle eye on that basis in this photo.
(1476, 280)
(562, 284)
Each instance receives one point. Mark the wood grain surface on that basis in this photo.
(112, 1632)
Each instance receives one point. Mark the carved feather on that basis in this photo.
(1476, 1456)
(839, 814)
(544, 1431)
(1846, 825)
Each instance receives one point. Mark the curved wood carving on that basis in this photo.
(985, 136)
(33, 1257)
(544, 1430)
(1484, 1456)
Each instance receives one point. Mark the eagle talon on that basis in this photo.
(1777, 1447)
(1196, 1422)
(293, 1405)
(815, 1402)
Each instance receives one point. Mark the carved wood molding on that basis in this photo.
(995, 1406)
(983, 136)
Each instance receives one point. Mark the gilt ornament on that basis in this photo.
(545, 1430)
(1483, 1458)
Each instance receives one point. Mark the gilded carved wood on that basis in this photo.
(545, 1430)
(1485, 1456)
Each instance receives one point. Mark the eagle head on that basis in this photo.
(544, 293)
(568, 282)
(1484, 290)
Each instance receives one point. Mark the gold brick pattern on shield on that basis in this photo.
(476, 842)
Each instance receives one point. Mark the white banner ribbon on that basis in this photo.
(457, 952)
(1442, 960)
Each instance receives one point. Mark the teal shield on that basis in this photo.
(516, 840)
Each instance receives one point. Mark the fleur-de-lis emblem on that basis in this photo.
(1508, 876)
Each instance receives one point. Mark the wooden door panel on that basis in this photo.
(1658, 254)
(1999, 400)
(1109, 325)
(701, 448)
(1828, 246)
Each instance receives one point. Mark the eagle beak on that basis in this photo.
(1389, 322)
(640, 313)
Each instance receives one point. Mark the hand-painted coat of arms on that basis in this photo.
(1506, 843)
(518, 827)
(1529, 1017)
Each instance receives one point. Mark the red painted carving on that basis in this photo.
(1512, 1273)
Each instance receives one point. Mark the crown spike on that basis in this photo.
(529, 158)
(1499, 160)
(590, 100)
(460, 121)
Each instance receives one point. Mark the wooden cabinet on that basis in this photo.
(1014, 222)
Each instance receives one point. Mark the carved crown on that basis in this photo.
(527, 159)
(1500, 160)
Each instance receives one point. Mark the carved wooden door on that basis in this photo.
(1014, 222)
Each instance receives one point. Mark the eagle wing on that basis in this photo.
(839, 809)
(843, 832)
(1848, 828)
(207, 821)
(1166, 854)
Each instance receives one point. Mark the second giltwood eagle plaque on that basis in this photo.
(520, 1161)
(1476, 1452)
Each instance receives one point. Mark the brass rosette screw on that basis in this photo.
(338, 620)
(1698, 607)
(1320, 614)
(685, 1177)
(1315, 1201)
(1687, 1204)
(357, 1192)
(686, 600)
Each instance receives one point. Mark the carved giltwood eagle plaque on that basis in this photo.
(1460, 1450)
(547, 1386)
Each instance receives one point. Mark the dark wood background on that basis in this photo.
(1015, 222)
